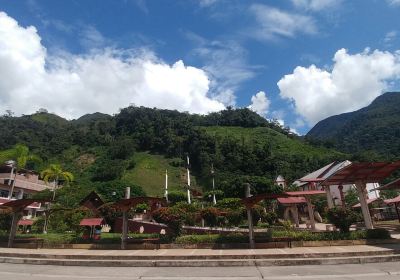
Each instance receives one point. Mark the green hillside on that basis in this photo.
(374, 129)
(149, 173)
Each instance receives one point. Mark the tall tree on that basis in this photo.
(19, 156)
(55, 173)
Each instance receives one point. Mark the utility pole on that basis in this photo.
(249, 217)
(188, 179)
(213, 183)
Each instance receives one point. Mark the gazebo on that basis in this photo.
(291, 204)
(307, 195)
(360, 174)
(17, 207)
(394, 185)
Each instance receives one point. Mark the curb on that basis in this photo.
(202, 263)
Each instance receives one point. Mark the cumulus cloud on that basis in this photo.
(353, 82)
(260, 103)
(275, 23)
(103, 80)
(316, 5)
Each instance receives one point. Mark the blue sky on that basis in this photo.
(297, 61)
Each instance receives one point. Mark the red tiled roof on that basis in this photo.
(92, 222)
(291, 200)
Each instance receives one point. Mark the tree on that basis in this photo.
(19, 156)
(55, 173)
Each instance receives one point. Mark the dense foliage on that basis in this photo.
(372, 133)
(342, 218)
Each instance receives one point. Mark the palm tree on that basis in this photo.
(19, 156)
(55, 173)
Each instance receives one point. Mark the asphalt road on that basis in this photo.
(381, 271)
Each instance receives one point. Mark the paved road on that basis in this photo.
(381, 271)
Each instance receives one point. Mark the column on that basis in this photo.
(13, 229)
(310, 212)
(364, 206)
(329, 197)
(249, 218)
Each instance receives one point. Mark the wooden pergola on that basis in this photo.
(359, 174)
(291, 204)
(17, 207)
(128, 203)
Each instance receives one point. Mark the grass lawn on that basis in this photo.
(149, 173)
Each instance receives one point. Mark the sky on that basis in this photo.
(295, 61)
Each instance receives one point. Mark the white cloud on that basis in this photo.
(103, 80)
(226, 65)
(394, 2)
(390, 37)
(207, 3)
(352, 83)
(275, 23)
(316, 5)
(260, 103)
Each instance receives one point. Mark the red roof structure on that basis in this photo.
(303, 193)
(25, 222)
(394, 185)
(367, 172)
(92, 222)
(392, 200)
(249, 202)
(291, 200)
(369, 201)
(20, 204)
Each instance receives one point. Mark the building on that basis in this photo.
(280, 181)
(27, 183)
(312, 181)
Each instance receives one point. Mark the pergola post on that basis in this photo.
(295, 212)
(13, 229)
(125, 221)
(249, 218)
(329, 197)
(310, 212)
(397, 210)
(364, 205)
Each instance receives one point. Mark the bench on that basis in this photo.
(31, 240)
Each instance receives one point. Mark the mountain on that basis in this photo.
(136, 146)
(373, 129)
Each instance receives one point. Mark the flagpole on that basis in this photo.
(188, 180)
(166, 184)
(213, 184)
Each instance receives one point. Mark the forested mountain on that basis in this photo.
(136, 146)
(373, 131)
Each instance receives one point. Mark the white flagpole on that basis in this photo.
(188, 180)
(166, 184)
(213, 184)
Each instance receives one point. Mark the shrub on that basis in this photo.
(171, 218)
(176, 196)
(378, 233)
(342, 218)
(271, 218)
(229, 203)
(210, 215)
(235, 217)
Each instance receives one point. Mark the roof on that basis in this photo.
(392, 200)
(322, 173)
(367, 172)
(369, 201)
(20, 204)
(291, 200)
(5, 200)
(25, 222)
(394, 185)
(92, 222)
(303, 193)
(92, 201)
(280, 179)
(250, 201)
